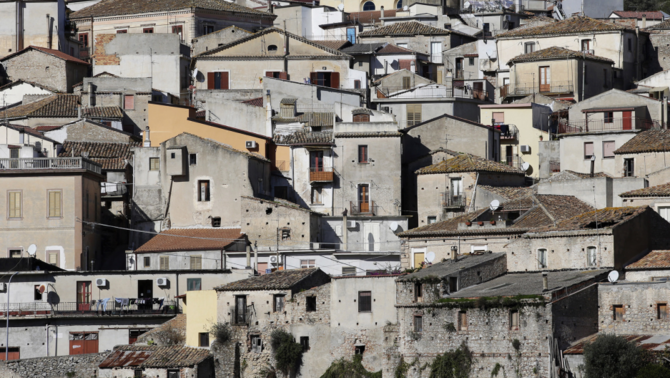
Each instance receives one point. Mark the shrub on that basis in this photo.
(654, 371)
(287, 353)
(349, 369)
(221, 332)
(169, 336)
(611, 356)
(453, 364)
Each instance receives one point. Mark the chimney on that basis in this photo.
(268, 115)
(644, 21)
(454, 253)
(147, 139)
(545, 282)
(382, 12)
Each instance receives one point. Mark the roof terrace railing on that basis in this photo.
(617, 124)
(50, 164)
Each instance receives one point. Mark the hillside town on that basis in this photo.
(484, 182)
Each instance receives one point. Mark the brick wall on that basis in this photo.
(100, 57)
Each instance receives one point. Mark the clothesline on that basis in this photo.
(126, 302)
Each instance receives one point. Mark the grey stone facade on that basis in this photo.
(82, 365)
(45, 69)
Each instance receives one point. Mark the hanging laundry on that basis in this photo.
(104, 303)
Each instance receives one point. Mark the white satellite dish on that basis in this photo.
(466, 4)
(613, 276)
(430, 257)
(393, 226)
(195, 73)
(405, 8)
(32, 249)
(495, 204)
(340, 7)
(525, 166)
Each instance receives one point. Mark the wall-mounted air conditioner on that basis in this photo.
(252, 144)
(525, 149)
(163, 281)
(100, 282)
(351, 224)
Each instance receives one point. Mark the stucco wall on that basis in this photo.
(572, 151)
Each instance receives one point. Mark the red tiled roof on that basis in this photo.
(573, 25)
(47, 128)
(651, 15)
(191, 239)
(647, 141)
(654, 259)
(410, 28)
(393, 49)
(258, 101)
(56, 53)
(467, 163)
(112, 156)
(154, 356)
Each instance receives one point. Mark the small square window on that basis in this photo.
(15, 253)
(286, 234)
(147, 261)
(129, 102)
(154, 164)
(304, 341)
(138, 373)
(418, 324)
(432, 220)
(196, 262)
(418, 292)
(471, 61)
(193, 284)
(193, 159)
(348, 271)
(617, 312)
(310, 304)
(203, 338)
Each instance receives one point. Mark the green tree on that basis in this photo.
(611, 356)
(453, 364)
(287, 353)
(654, 371)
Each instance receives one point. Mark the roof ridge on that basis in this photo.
(546, 211)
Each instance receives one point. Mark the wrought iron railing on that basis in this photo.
(322, 174)
(524, 89)
(50, 163)
(94, 308)
(432, 91)
(615, 124)
(451, 201)
(515, 161)
(360, 208)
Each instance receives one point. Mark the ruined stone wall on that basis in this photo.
(82, 365)
(640, 305)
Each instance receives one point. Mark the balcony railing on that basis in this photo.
(321, 174)
(50, 163)
(515, 161)
(95, 308)
(362, 208)
(508, 132)
(450, 201)
(525, 89)
(616, 124)
(431, 91)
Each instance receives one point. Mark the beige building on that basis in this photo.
(657, 197)
(25, 142)
(45, 199)
(644, 155)
(47, 67)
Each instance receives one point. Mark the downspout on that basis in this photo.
(49, 32)
(19, 26)
(286, 50)
(583, 74)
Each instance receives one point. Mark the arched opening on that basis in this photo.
(398, 5)
(272, 49)
(369, 6)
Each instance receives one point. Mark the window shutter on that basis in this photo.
(269, 74)
(335, 80)
(405, 82)
(129, 102)
(588, 149)
(283, 75)
(224, 80)
(499, 117)
(608, 149)
(210, 80)
(313, 77)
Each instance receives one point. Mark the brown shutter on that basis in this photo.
(210, 80)
(224, 80)
(268, 74)
(283, 75)
(312, 77)
(335, 80)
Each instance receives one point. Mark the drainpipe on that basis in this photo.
(344, 231)
(47, 343)
(255, 257)
(19, 26)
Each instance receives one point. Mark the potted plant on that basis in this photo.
(481, 223)
(493, 222)
(468, 223)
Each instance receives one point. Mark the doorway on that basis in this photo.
(364, 198)
(144, 291)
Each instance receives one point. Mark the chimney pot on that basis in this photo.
(454, 253)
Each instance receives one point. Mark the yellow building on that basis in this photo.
(523, 126)
(200, 309)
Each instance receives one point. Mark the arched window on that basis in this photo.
(369, 6)
(398, 4)
(272, 49)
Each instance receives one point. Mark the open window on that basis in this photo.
(310, 304)
(278, 303)
(304, 341)
(617, 312)
(418, 292)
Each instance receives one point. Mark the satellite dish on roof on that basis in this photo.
(393, 226)
(195, 73)
(495, 204)
(405, 8)
(525, 166)
(32, 249)
(430, 257)
(340, 7)
(613, 276)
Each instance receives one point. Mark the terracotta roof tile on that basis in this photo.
(20, 81)
(602, 219)
(554, 52)
(191, 239)
(450, 227)
(573, 25)
(258, 101)
(665, 25)
(102, 112)
(650, 15)
(304, 137)
(58, 105)
(112, 156)
(369, 134)
(56, 53)
(131, 356)
(335, 44)
(410, 28)
(548, 210)
(393, 49)
(509, 192)
(657, 140)
(122, 7)
(662, 190)
(467, 163)
(654, 259)
(279, 280)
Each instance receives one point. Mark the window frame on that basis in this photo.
(207, 192)
(193, 281)
(308, 302)
(512, 315)
(318, 190)
(10, 250)
(125, 102)
(204, 335)
(195, 260)
(84, 40)
(662, 313)
(164, 262)
(526, 45)
(418, 323)
(417, 116)
(37, 296)
(307, 263)
(595, 256)
(304, 341)
(626, 171)
(608, 117)
(418, 292)
(539, 263)
(471, 61)
(192, 159)
(367, 307)
(145, 260)
(363, 154)
(611, 156)
(275, 298)
(586, 156)
(60, 203)
(431, 219)
(462, 320)
(148, 30)
(19, 215)
(154, 163)
(50, 253)
(616, 313)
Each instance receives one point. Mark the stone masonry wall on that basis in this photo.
(101, 59)
(83, 365)
(640, 302)
(38, 67)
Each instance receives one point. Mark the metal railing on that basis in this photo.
(50, 163)
(508, 131)
(607, 125)
(450, 201)
(515, 161)
(528, 89)
(323, 174)
(95, 308)
(431, 91)
(367, 208)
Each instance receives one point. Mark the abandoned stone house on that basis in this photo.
(129, 361)
(50, 68)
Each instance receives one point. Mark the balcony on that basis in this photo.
(515, 161)
(88, 309)
(50, 164)
(508, 132)
(525, 89)
(321, 174)
(362, 208)
(617, 124)
(450, 201)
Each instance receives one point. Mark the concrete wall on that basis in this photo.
(600, 192)
(44, 69)
(280, 89)
(548, 151)
(618, 99)
(14, 94)
(430, 108)
(572, 151)
(218, 38)
(238, 115)
(644, 163)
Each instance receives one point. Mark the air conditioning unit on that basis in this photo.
(351, 224)
(252, 144)
(100, 282)
(525, 149)
(275, 260)
(163, 281)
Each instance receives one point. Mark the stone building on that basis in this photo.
(658, 49)
(652, 267)
(161, 361)
(644, 155)
(50, 68)
(218, 38)
(657, 197)
(638, 308)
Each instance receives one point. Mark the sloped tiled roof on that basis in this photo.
(554, 52)
(654, 259)
(650, 15)
(467, 163)
(123, 7)
(279, 280)
(146, 356)
(102, 112)
(662, 190)
(58, 105)
(657, 140)
(317, 118)
(449, 266)
(55, 53)
(409, 28)
(665, 25)
(359, 111)
(191, 239)
(288, 101)
(112, 156)
(602, 219)
(549, 209)
(258, 101)
(304, 137)
(393, 49)
(333, 44)
(450, 227)
(573, 25)
(20, 81)
(509, 192)
(369, 134)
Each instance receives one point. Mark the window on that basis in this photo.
(55, 204)
(486, 28)
(83, 39)
(193, 159)
(418, 323)
(178, 29)
(359, 349)
(498, 118)
(129, 102)
(588, 150)
(617, 312)
(203, 339)
(609, 117)
(218, 80)
(38, 294)
(432, 220)
(304, 341)
(310, 304)
(471, 61)
(413, 114)
(664, 211)
(514, 320)
(348, 271)
(122, 31)
(317, 198)
(274, 74)
(147, 262)
(326, 79)
(608, 149)
(138, 373)
(364, 301)
(586, 45)
(591, 256)
(196, 262)
(14, 204)
(286, 234)
(528, 47)
(84, 292)
(216, 221)
(240, 309)
(307, 264)
(362, 154)
(272, 49)
(357, 84)
(15, 253)
(370, 6)
(453, 284)
(193, 284)
(165, 262)
(52, 257)
(462, 321)
(154, 164)
(418, 292)
(207, 29)
(203, 190)
(281, 192)
(406, 82)
(545, 79)
(628, 167)
(662, 311)
(256, 343)
(542, 258)
(148, 30)
(278, 303)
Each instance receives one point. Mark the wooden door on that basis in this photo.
(418, 259)
(627, 120)
(90, 343)
(545, 79)
(83, 295)
(76, 343)
(364, 198)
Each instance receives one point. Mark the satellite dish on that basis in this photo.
(195, 73)
(405, 8)
(340, 7)
(32, 249)
(495, 204)
(525, 166)
(393, 226)
(613, 276)
(430, 257)
(42, 289)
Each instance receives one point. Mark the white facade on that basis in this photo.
(14, 94)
